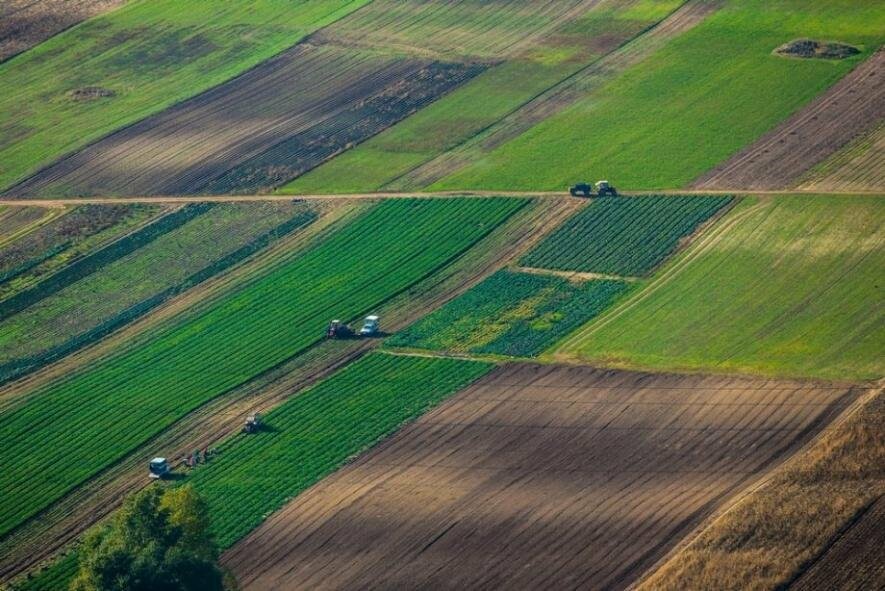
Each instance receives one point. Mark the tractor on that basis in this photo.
(253, 423)
(339, 330)
(602, 189)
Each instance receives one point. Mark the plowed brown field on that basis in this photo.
(854, 561)
(25, 23)
(849, 109)
(536, 477)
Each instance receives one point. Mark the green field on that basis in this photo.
(128, 287)
(623, 236)
(85, 422)
(382, 161)
(703, 97)
(64, 240)
(786, 285)
(517, 314)
(151, 54)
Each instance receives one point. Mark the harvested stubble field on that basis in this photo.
(851, 108)
(536, 477)
(26, 23)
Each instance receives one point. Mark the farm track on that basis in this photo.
(26, 23)
(553, 470)
(559, 97)
(215, 421)
(778, 160)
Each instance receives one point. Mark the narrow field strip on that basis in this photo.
(63, 238)
(783, 286)
(135, 395)
(588, 494)
(93, 261)
(134, 284)
(116, 69)
(624, 236)
(779, 160)
(514, 314)
(19, 221)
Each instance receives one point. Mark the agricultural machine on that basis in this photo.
(253, 423)
(158, 468)
(602, 189)
(339, 330)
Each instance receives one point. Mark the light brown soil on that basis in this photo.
(536, 477)
(850, 108)
(25, 23)
(854, 561)
(72, 515)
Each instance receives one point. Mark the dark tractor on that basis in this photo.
(338, 330)
(581, 190)
(602, 189)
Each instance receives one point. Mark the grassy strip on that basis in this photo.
(144, 57)
(676, 100)
(770, 536)
(623, 236)
(517, 314)
(22, 366)
(784, 286)
(92, 262)
(86, 422)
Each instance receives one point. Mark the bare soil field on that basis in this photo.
(537, 477)
(854, 561)
(206, 427)
(849, 109)
(239, 136)
(859, 166)
(25, 23)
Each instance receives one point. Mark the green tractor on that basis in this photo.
(602, 189)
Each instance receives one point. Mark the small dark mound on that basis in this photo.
(809, 48)
(91, 93)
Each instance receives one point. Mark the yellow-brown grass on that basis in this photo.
(773, 534)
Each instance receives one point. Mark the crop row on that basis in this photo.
(109, 299)
(104, 256)
(63, 240)
(624, 236)
(509, 313)
(78, 426)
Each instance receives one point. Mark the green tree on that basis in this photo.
(159, 541)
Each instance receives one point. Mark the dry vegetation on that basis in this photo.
(815, 501)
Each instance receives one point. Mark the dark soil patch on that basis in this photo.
(91, 93)
(809, 48)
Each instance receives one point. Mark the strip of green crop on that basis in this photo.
(517, 314)
(143, 57)
(94, 261)
(19, 366)
(78, 426)
(314, 433)
(623, 236)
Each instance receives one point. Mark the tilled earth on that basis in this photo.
(537, 477)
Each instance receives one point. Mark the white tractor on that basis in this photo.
(158, 468)
(371, 326)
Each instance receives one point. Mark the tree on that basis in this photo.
(159, 541)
